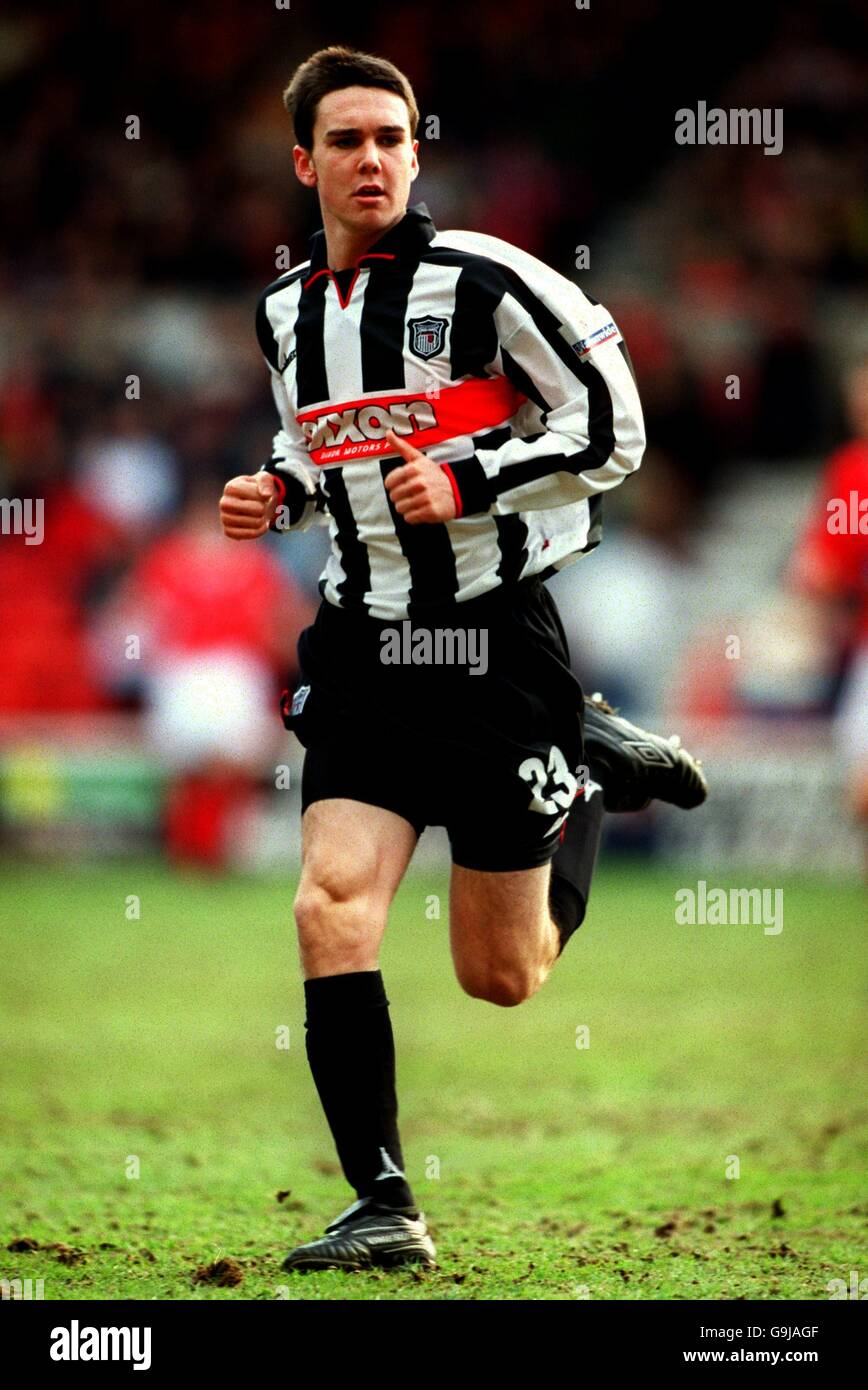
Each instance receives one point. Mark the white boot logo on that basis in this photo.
(389, 1168)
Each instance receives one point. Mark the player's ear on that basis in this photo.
(304, 166)
(414, 163)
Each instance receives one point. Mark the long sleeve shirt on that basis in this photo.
(508, 375)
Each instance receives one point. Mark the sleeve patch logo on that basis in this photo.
(606, 334)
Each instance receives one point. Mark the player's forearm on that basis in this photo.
(566, 354)
(550, 471)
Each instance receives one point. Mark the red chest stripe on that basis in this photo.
(354, 430)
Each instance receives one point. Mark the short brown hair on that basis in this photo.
(329, 70)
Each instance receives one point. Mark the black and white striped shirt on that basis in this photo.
(495, 366)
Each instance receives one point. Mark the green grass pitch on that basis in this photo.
(546, 1170)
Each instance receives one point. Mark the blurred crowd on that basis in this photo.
(131, 386)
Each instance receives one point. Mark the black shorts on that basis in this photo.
(487, 746)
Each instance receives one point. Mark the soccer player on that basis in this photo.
(455, 410)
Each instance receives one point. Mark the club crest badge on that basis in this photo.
(426, 337)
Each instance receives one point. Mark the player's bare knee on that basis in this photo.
(319, 905)
(504, 987)
(335, 912)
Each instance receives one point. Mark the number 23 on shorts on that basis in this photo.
(553, 786)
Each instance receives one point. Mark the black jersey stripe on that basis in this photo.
(512, 533)
(354, 552)
(520, 379)
(492, 439)
(473, 343)
(264, 329)
(429, 555)
(383, 325)
(312, 383)
(595, 530)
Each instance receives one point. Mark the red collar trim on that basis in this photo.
(368, 256)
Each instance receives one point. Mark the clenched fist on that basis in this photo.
(248, 505)
(420, 490)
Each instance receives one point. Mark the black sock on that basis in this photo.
(351, 1053)
(573, 865)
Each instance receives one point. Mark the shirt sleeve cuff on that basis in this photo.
(281, 486)
(290, 493)
(470, 485)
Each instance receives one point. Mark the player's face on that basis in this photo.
(363, 159)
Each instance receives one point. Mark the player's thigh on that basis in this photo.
(500, 929)
(353, 859)
(349, 847)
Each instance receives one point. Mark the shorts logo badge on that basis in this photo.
(426, 337)
(298, 700)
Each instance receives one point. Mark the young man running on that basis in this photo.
(455, 409)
